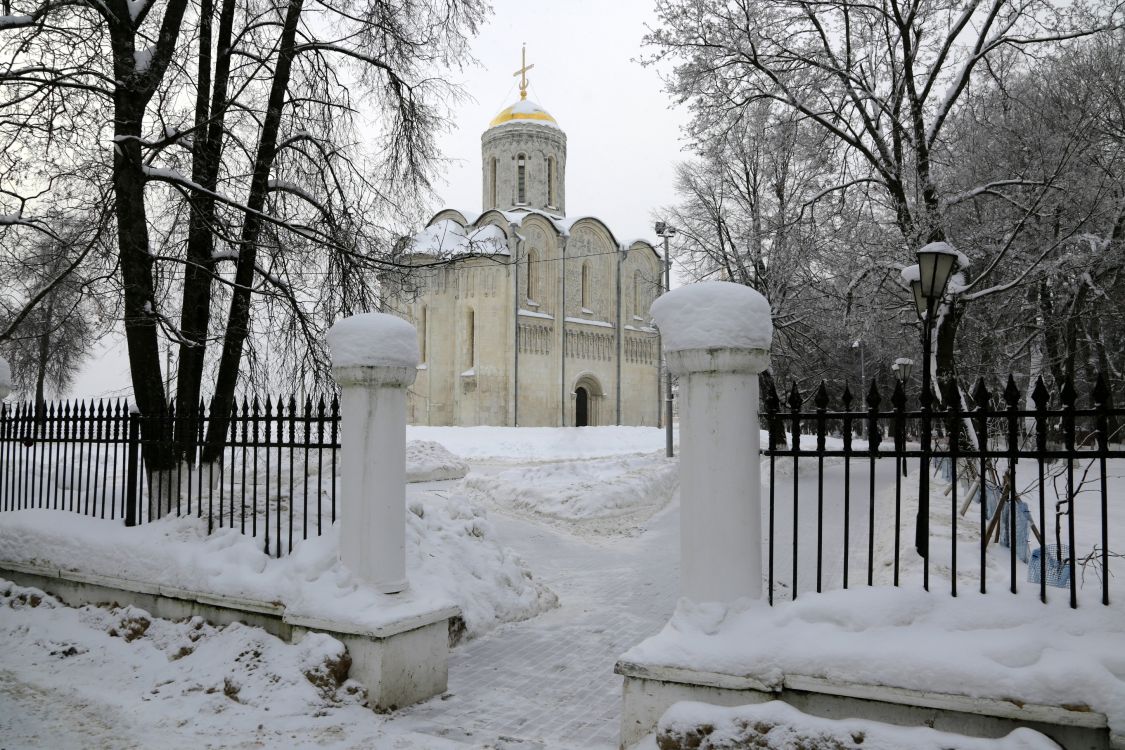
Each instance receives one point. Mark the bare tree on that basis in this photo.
(882, 79)
(253, 164)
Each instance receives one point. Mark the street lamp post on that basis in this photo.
(665, 230)
(928, 281)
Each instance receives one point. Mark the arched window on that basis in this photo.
(492, 183)
(470, 338)
(422, 322)
(637, 294)
(532, 276)
(551, 181)
(521, 179)
(586, 284)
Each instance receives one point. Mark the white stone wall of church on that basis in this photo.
(443, 395)
(541, 241)
(465, 380)
(538, 142)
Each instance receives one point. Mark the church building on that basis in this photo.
(526, 316)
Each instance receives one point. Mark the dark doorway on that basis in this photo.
(581, 407)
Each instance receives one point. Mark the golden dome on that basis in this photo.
(524, 110)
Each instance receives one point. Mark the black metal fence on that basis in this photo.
(275, 480)
(982, 449)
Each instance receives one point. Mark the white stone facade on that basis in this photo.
(551, 329)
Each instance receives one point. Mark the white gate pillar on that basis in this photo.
(374, 359)
(716, 338)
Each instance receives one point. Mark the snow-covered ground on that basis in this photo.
(587, 514)
(537, 444)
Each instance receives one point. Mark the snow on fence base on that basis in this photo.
(401, 661)
(649, 691)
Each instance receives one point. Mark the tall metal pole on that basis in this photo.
(862, 369)
(922, 525)
(667, 371)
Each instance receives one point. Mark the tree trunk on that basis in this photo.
(238, 320)
(132, 90)
(195, 315)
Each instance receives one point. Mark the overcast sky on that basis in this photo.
(623, 139)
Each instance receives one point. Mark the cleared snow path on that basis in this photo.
(549, 682)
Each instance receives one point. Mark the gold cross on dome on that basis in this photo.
(522, 72)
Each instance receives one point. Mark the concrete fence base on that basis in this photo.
(402, 662)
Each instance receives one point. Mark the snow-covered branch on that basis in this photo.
(990, 188)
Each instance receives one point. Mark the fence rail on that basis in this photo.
(980, 463)
(275, 479)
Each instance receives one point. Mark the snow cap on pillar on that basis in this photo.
(5, 379)
(725, 326)
(374, 348)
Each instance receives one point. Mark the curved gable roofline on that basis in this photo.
(562, 226)
(572, 223)
(464, 218)
(505, 218)
(640, 242)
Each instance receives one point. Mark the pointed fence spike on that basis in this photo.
(1012, 393)
(770, 396)
(1040, 395)
(981, 396)
(846, 397)
(1068, 394)
(898, 398)
(821, 397)
(795, 398)
(954, 404)
(873, 398)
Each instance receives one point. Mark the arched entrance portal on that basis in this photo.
(581, 407)
(587, 397)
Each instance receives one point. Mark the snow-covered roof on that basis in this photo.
(524, 111)
(446, 238)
